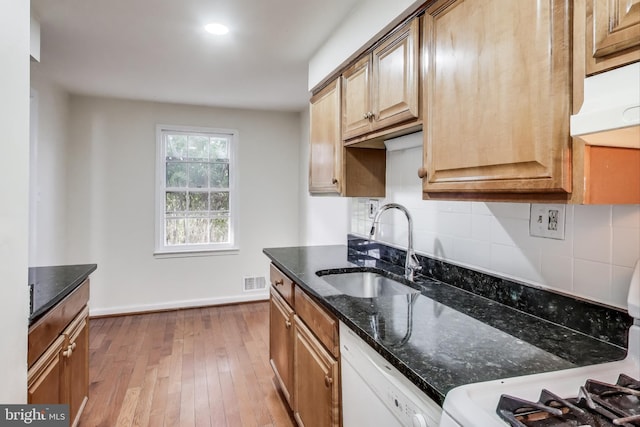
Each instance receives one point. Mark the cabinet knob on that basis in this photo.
(334, 181)
(287, 323)
(365, 116)
(328, 380)
(67, 352)
(422, 173)
(279, 282)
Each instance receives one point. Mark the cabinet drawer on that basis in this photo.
(46, 330)
(282, 284)
(43, 378)
(321, 323)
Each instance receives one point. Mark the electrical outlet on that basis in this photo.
(372, 207)
(547, 221)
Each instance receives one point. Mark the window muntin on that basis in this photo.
(196, 191)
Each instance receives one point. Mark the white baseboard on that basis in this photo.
(171, 305)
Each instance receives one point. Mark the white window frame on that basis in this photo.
(161, 248)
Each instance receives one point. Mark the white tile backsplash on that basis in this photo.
(593, 242)
(592, 280)
(626, 246)
(594, 261)
(516, 263)
(621, 276)
(626, 216)
(557, 271)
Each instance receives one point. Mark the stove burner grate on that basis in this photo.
(598, 405)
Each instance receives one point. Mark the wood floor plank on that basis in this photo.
(159, 402)
(197, 367)
(130, 401)
(143, 410)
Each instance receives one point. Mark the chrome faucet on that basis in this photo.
(411, 264)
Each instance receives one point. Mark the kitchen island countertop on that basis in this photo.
(443, 337)
(49, 285)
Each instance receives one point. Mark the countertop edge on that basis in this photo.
(64, 292)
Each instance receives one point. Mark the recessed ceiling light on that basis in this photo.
(216, 28)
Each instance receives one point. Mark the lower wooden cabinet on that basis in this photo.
(60, 373)
(304, 355)
(44, 377)
(76, 365)
(281, 342)
(316, 381)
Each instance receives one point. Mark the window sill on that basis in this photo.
(195, 253)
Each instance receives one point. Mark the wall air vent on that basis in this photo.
(254, 283)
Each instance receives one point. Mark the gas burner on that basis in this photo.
(598, 405)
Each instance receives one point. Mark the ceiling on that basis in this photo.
(158, 50)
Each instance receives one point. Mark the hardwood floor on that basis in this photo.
(196, 367)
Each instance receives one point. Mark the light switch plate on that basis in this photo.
(547, 221)
(372, 207)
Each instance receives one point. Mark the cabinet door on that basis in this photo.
(316, 381)
(395, 77)
(356, 99)
(76, 365)
(44, 377)
(325, 160)
(498, 97)
(281, 343)
(613, 34)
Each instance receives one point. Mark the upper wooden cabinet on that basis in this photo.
(613, 34)
(497, 98)
(325, 157)
(382, 88)
(333, 168)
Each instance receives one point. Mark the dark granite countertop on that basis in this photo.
(456, 338)
(49, 285)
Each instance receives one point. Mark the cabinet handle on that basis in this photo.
(279, 282)
(328, 380)
(334, 181)
(68, 352)
(422, 173)
(287, 323)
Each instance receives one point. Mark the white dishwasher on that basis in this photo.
(374, 393)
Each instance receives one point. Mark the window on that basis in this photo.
(196, 189)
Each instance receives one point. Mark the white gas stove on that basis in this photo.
(475, 405)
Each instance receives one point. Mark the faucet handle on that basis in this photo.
(414, 263)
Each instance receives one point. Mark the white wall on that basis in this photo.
(49, 233)
(594, 261)
(323, 219)
(360, 27)
(111, 202)
(14, 163)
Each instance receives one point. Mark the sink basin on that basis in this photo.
(365, 284)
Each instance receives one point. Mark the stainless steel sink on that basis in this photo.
(365, 284)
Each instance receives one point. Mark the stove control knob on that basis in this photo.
(418, 420)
